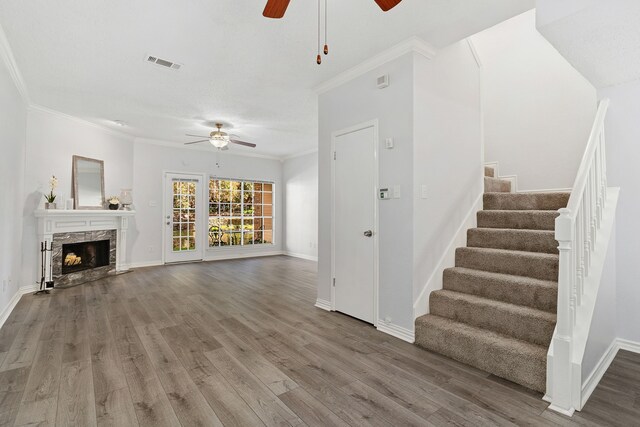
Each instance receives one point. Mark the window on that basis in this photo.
(240, 212)
(184, 215)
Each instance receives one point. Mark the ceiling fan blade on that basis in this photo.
(195, 142)
(196, 136)
(387, 5)
(275, 8)
(246, 144)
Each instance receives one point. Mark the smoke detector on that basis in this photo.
(162, 62)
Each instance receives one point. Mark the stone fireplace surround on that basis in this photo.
(58, 227)
(63, 280)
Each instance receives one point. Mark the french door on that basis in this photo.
(183, 219)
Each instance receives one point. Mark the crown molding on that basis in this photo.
(413, 44)
(300, 154)
(41, 109)
(6, 55)
(176, 145)
(10, 61)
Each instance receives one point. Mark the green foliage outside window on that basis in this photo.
(240, 213)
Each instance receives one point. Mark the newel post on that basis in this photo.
(561, 398)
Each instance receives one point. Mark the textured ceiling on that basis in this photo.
(600, 39)
(86, 58)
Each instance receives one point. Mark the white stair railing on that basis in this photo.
(576, 231)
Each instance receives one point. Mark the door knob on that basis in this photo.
(168, 223)
(368, 233)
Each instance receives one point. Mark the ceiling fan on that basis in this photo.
(220, 139)
(277, 8)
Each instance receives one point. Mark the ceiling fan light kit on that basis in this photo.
(220, 139)
(276, 9)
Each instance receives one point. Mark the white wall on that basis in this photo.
(352, 103)
(447, 153)
(52, 140)
(538, 110)
(13, 125)
(622, 127)
(432, 111)
(300, 180)
(151, 160)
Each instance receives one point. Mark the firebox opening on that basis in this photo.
(84, 256)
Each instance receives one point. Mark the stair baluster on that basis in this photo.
(576, 231)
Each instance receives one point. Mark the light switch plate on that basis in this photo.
(396, 191)
(389, 144)
(423, 191)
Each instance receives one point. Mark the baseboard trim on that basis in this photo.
(302, 256)
(396, 331)
(628, 345)
(547, 190)
(14, 301)
(323, 304)
(603, 364)
(220, 257)
(559, 410)
(598, 372)
(144, 264)
(9, 308)
(223, 256)
(27, 289)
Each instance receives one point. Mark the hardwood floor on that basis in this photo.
(239, 343)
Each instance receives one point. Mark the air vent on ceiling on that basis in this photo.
(163, 62)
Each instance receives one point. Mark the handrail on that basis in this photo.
(592, 144)
(575, 230)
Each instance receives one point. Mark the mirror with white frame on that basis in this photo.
(88, 183)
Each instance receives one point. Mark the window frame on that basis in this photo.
(242, 216)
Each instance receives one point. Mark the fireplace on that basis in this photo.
(84, 256)
(60, 227)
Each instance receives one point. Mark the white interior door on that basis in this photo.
(355, 186)
(183, 218)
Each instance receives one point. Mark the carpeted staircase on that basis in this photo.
(497, 308)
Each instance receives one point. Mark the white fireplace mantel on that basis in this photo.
(52, 221)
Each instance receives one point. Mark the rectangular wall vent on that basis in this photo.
(163, 62)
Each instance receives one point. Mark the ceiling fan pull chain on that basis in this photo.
(319, 58)
(326, 45)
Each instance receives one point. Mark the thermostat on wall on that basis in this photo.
(384, 194)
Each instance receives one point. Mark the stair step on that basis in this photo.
(489, 171)
(517, 240)
(496, 185)
(526, 201)
(516, 219)
(519, 263)
(517, 321)
(518, 361)
(534, 293)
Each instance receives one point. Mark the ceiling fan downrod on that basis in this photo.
(326, 46)
(319, 58)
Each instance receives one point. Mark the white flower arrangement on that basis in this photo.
(53, 184)
(114, 200)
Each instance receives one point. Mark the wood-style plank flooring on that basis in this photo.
(239, 343)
